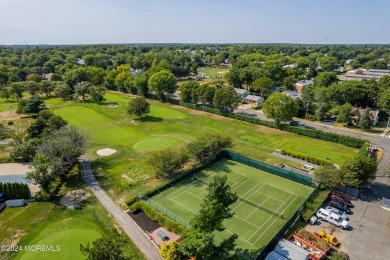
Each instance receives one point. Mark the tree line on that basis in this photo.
(15, 190)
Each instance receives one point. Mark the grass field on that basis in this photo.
(48, 223)
(172, 126)
(260, 193)
(214, 71)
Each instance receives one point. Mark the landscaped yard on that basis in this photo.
(125, 173)
(266, 202)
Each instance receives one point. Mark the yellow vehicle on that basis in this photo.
(328, 238)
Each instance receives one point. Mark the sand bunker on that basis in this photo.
(112, 105)
(74, 198)
(106, 152)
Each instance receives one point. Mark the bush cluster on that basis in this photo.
(317, 134)
(158, 217)
(15, 190)
(306, 157)
(314, 204)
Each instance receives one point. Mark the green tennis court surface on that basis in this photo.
(265, 203)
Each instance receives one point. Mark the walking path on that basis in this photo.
(129, 226)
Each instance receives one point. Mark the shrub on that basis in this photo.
(158, 217)
(307, 158)
(314, 204)
(130, 201)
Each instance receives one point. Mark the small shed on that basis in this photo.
(291, 251)
(254, 100)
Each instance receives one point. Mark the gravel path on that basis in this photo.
(129, 226)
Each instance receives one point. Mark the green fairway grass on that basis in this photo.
(155, 144)
(125, 173)
(263, 199)
(68, 239)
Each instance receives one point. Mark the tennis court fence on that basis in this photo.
(165, 211)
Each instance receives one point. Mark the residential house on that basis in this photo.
(301, 84)
(358, 113)
(254, 100)
(293, 94)
(242, 93)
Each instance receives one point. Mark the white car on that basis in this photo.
(338, 212)
(332, 218)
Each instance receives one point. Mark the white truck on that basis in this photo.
(332, 218)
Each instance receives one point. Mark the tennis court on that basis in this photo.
(265, 203)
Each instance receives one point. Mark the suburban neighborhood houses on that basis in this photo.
(194, 131)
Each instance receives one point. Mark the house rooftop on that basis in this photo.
(293, 94)
(304, 83)
(240, 90)
(253, 97)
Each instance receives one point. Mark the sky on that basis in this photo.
(201, 21)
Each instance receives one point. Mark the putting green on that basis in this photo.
(155, 144)
(69, 242)
(166, 113)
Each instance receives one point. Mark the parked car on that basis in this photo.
(341, 199)
(340, 206)
(338, 212)
(332, 218)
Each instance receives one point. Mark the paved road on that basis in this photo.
(129, 226)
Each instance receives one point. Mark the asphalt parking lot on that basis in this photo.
(368, 234)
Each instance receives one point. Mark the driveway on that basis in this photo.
(129, 226)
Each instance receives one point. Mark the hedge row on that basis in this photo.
(306, 157)
(318, 134)
(314, 204)
(15, 190)
(156, 216)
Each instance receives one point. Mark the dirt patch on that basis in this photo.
(144, 222)
(112, 105)
(106, 152)
(9, 115)
(74, 198)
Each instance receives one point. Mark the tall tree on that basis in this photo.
(82, 89)
(325, 79)
(263, 85)
(365, 120)
(215, 208)
(108, 247)
(188, 92)
(62, 90)
(162, 82)
(97, 93)
(344, 115)
(280, 107)
(46, 87)
(138, 106)
(359, 172)
(226, 98)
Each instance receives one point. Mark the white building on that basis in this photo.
(254, 100)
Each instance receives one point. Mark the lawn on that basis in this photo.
(214, 71)
(260, 193)
(51, 224)
(125, 173)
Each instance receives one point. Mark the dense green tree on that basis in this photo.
(82, 89)
(325, 79)
(365, 120)
(5, 92)
(33, 105)
(189, 92)
(97, 93)
(384, 100)
(138, 106)
(215, 208)
(141, 83)
(46, 87)
(34, 77)
(328, 63)
(17, 89)
(96, 75)
(170, 251)
(263, 85)
(43, 174)
(108, 247)
(344, 115)
(162, 82)
(328, 176)
(167, 162)
(62, 90)
(226, 98)
(205, 93)
(25, 151)
(359, 172)
(280, 107)
(208, 145)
